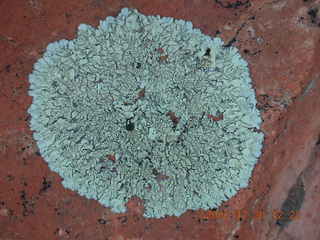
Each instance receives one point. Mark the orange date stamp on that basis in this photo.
(275, 214)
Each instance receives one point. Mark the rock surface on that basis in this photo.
(281, 41)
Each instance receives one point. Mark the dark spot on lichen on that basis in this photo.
(207, 52)
(148, 187)
(155, 171)
(129, 125)
(54, 84)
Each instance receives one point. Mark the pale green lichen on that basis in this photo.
(138, 88)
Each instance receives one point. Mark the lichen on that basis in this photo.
(146, 106)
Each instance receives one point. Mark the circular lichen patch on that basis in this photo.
(149, 107)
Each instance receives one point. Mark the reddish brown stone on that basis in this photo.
(141, 93)
(111, 157)
(280, 41)
(215, 118)
(175, 120)
(163, 58)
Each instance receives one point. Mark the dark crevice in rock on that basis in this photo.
(309, 86)
(129, 125)
(248, 52)
(291, 206)
(235, 5)
(207, 52)
(45, 185)
(313, 12)
(263, 102)
(102, 221)
(28, 117)
(234, 39)
(26, 204)
(8, 68)
(123, 219)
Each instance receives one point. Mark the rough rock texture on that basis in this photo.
(279, 39)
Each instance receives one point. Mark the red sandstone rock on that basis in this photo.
(280, 41)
